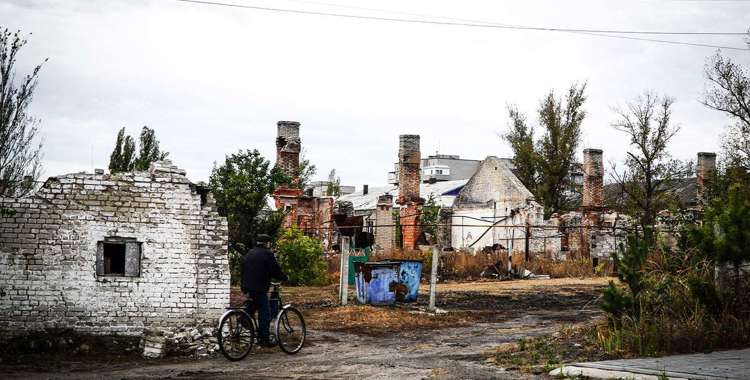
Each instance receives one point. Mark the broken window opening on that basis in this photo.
(114, 259)
(118, 257)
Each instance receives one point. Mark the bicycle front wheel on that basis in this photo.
(236, 335)
(290, 330)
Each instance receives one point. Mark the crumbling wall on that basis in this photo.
(51, 275)
(592, 234)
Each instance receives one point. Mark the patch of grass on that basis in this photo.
(535, 355)
(545, 353)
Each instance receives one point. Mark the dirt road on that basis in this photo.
(505, 313)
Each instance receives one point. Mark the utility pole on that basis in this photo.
(433, 276)
(344, 278)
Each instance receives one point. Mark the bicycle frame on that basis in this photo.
(276, 287)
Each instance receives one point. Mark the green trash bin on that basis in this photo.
(357, 259)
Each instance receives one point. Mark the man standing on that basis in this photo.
(258, 268)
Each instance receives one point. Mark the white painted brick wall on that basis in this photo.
(48, 255)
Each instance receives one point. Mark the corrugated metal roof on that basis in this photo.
(437, 190)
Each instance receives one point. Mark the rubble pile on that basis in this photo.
(184, 341)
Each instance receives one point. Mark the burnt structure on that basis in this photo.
(311, 214)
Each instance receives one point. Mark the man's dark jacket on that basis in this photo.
(259, 266)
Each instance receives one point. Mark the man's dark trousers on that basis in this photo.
(264, 313)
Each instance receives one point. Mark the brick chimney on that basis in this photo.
(704, 170)
(288, 147)
(384, 222)
(408, 169)
(593, 179)
(409, 161)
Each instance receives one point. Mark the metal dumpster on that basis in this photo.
(409, 276)
(376, 282)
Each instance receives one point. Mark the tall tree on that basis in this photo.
(545, 166)
(20, 153)
(725, 235)
(521, 139)
(241, 186)
(650, 174)
(149, 150)
(728, 91)
(561, 122)
(123, 157)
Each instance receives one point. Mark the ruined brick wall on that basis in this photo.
(288, 147)
(593, 179)
(384, 229)
(591, 234)
(410, 229)
(314, 216)
(49, 254)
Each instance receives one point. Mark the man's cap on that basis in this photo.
(263, 238)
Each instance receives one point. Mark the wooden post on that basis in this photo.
(510, 250)
(344, 285)
(526, 245)
(433, 276)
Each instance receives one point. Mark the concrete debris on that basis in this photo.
(185, 341)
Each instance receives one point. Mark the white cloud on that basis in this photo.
(213, 80)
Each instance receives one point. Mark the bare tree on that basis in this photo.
(728, 91)
(650, 174)
(20, 154)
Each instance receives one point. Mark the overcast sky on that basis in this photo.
(212, 80)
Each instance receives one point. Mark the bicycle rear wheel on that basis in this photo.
(290, 330)
(236, 335)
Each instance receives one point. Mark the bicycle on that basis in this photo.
(237, 327)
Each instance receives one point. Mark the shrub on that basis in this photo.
(301, 258)
(669, 301)
(235, 266)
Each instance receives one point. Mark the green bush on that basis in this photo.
(669, 299)
(235, 266)
(301, 258)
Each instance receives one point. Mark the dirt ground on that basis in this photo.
(358, 341)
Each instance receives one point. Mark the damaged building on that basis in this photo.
(487, 206)
(482, 203)
(110, 254)
(313, 214)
